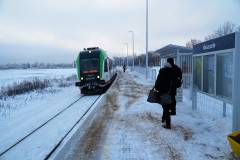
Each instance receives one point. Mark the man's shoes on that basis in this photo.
(166, 126)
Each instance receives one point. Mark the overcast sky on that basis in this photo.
(56, 30)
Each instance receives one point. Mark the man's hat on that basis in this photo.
(171, 61)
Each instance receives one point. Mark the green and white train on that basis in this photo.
(94, 71)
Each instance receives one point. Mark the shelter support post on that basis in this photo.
(236, 84)
(178, 58)
(224, 109)
(194, 99)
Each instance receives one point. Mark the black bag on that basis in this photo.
(165, 99)
(153, 96)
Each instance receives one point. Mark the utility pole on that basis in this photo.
(127, 53)
(133, 46)
(146, 39)
(122, 57)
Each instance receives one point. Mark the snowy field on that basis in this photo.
(57, 80)
(21, 114)
(8, 77)
(130, 128)
(33, 111)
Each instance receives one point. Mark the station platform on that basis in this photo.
(128, 127)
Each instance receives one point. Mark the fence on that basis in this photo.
(211, 104)
(187, 80)
(152, 72)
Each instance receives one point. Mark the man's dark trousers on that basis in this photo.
(173, 105)
(166, 117)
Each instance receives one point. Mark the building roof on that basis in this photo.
(172, 50)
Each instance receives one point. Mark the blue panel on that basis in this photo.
(221, 43)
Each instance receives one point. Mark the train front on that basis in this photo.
(88, 68)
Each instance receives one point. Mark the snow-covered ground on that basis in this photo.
(21, 114)
(29, 111)
(15, 124)
(130, 128)
(57, 82)
(7, 77)
(38, 145)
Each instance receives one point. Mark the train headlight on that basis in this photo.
(98, 77)
(81, 78)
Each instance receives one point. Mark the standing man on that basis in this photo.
(124, 68)
(164, 84)
(177, 83)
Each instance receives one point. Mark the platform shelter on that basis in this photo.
(182, 57)
(216, 73)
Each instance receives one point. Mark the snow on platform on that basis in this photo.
(130, 128)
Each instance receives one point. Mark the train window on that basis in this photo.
(105, 66)
(89, 64)
(110, 65)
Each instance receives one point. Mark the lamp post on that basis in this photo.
(127, 53)
(132, 45)
(122, 57)
(146, 39)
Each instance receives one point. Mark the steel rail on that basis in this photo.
(43, 124)
(58, 144)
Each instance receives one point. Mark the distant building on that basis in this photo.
(182, 57)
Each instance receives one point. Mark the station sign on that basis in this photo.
(221, 43)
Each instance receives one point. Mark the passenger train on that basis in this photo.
(94, 71)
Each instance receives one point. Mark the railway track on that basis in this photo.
(52, 151)
(57, 115)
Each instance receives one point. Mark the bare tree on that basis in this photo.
(153, 58)
(226, 28)
(192, 42)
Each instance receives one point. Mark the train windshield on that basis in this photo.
(89, 64)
